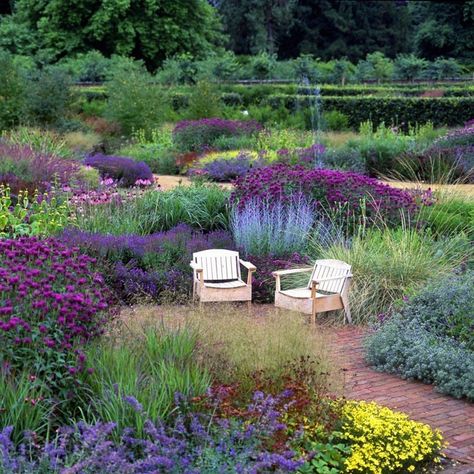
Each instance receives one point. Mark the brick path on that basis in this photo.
(455, 418)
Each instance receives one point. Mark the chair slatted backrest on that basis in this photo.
(218, 264)
(329, 269)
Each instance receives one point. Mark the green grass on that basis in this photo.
(201, 207)
(150, 365)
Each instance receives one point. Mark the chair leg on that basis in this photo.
(347, 309)
(249, 307)
(313, 314)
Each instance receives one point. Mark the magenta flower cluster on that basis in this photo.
(52, 303)
(329, 188)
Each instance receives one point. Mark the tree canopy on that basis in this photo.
(151, 30)
(158, 30)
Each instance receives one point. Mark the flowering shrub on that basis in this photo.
(155, 265)
(260, 228)
(329, 188)
(431, 339)
(194, 443)
(39, 168)
(126, 171)
(52, 304)
(228, 169)
(196, 135)
(385, 441)
(42, 214)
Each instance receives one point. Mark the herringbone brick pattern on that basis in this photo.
(455, 418)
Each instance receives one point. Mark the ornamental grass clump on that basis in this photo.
(125, 171)
(383, 441)
(331, 189)
(53, 303)
(196, 135)
(39, 168)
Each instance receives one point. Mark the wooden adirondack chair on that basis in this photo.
(327, 289)
(217, 276)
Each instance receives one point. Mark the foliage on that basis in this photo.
(264, 228)
(11, 91)
(204, 101)
(431, 337)
(42, 141)
(148, 31)
(155, 266)
(335, 120)
(194, 442)
(48, 97)
(331, 189)
(40, 214)
(53, 303)
(345, 159)
(329, 458)
(227, 169)
(449, 216)
(440, 111)
(409, 67)
(125, 171)
(365, 427)
(201, 207)
(134, 103)
(160, 161)
(150, 366)
(243, 351)
(388, 263)
(22, 405)
(35, 167)
(189, 135)
(263, 287)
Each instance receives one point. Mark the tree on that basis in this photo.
(12, 88)
(409, 67)
(381, 66)
(152, 30)
(443, 28)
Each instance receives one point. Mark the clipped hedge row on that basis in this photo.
(441, 111)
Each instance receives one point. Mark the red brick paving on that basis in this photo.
(455, 418)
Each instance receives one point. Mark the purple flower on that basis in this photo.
(125, 170)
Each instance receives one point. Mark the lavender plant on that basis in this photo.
(266, 228)
(195, 443)
(124, 170)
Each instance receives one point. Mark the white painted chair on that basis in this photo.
(217, 276)
(327, 289)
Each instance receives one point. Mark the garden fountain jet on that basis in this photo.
(314, 100)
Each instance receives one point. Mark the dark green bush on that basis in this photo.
(11, 91)
(135, 102)
(48, 97)
(440, 110)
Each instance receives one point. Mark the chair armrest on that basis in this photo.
(291, 271)
(196, 267)
(249, 266)
(340, 277)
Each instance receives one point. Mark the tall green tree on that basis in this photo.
(152, 30)
(443, 28)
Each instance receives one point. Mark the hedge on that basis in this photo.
(441, 111)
